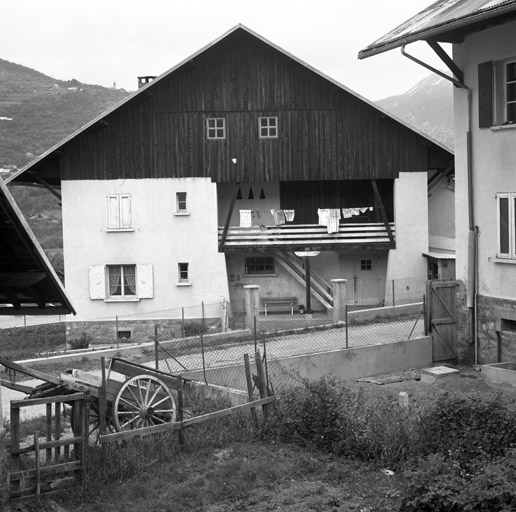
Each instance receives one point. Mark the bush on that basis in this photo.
(465, 428)
(80, 343)
(194, 329)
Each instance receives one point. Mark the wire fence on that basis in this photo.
(217, 359)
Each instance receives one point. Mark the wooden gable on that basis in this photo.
(325, 132)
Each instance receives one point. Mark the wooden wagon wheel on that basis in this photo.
(143, 401)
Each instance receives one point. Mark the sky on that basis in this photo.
(107, 42)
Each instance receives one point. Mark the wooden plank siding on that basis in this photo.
(325, 131)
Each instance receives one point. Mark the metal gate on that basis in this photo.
(441, 319)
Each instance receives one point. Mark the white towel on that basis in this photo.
(246, 218)
(289, 215)
(333, 220)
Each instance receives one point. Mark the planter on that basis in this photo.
(500, 373)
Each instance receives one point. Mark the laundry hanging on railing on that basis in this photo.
(330, 218)
(351, 212)
(278, 217)
(289, 215)
(246, 218)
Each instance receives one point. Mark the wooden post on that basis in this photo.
(38, 466)
(102, 403)
(308, 287)
(228, 217)
(156, 347)
(179, 418)
(260, 383)
(249, 381)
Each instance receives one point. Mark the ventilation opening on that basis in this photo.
(508, 325)
(124, 335)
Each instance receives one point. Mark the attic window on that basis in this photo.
(268, 127)
(216, 128)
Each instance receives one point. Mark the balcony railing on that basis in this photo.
(308, 237)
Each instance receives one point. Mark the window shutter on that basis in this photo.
(485, 95)
(125, 210)
(97, 282)
(145, 288)
(113, 217)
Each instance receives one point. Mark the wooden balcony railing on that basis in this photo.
(308, 237)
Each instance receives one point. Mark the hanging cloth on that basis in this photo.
(278, 216)
(333, 220)
(323, 216)
(289, 215)
(246, 218)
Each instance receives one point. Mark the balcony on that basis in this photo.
(308, 237)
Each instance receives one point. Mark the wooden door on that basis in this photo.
(441, 319)
(363, 274)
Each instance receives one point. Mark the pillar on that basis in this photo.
(339, 300)
(252, 305)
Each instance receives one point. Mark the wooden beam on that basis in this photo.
(36, 177)
(228, 217)
(382, 213)
(23, 279)
(459, 75)
(11, 365)
(47, 309)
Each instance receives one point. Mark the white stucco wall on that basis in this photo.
(493, 161)
(411, 218)
(159, 238)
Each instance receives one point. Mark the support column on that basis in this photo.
(252, 305)
(339, 300)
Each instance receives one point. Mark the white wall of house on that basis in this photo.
(159, 237)
(441, 216)
(493, 164)
(411, 217)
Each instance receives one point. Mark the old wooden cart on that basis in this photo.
(130, 396)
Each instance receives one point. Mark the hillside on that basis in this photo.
(36, 112)
(427, 106)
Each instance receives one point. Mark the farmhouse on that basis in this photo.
(242, 165)
(483, 69)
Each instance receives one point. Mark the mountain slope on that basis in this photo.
(427, 106)
(37, 111)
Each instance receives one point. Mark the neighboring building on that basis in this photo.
(483, 65)
(211, 177)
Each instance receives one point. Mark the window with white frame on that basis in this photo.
(181, 202)
(497, 93)
(182, 273)
(268, 127)
(121, 282)
(216, 128)
(119, 212)
(506, 225)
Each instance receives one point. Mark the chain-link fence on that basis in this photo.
(218, 358)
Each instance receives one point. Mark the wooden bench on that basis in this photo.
(278, 304)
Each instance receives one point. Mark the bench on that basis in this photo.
(278, 304)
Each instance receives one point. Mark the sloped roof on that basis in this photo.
(28, 283)
(444, 21)
(27, 173)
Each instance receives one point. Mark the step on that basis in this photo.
(439, 374)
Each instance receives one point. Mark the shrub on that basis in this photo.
(465, 428)
(194, 329)
(80, 343)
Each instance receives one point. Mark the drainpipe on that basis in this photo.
(472, 290)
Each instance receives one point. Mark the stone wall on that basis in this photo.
(137, 331)
(496, 319)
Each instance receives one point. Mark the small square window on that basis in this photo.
(181, 202)
(268, 127)
(508, 324)
(183, 272)
(216, 127)
(366, 265)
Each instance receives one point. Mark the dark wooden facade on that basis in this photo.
(325, 131)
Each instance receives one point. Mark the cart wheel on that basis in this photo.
(93, 423)
(143, 401)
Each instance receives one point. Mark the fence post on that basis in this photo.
(183, 322)
(339, 300)
(156, 346)
(223, 314)
(252, 303)
(393, 294)
(347, 333)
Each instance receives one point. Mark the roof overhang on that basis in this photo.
(444, 21)
(28, 283)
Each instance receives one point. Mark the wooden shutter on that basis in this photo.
(125, 211)
(97, 279)
(144, 276)
(113, 213)
(485, 95)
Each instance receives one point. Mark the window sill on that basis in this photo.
(503, 260)
(119, 230)
(184, 284)
(260, 275)
(122, 299)
(500, 127)
(182, 214)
